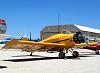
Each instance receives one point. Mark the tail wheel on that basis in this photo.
(75, 54)
(61, 55)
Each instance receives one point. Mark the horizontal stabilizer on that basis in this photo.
(10, 44)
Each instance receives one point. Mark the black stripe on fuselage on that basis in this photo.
(60, 41)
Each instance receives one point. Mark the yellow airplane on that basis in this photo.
(58, 42)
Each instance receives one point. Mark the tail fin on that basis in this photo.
(10, 44)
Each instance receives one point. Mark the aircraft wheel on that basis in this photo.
(75, 54)
(61, 55)
(97, 52)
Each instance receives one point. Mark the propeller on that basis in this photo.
(78, 37)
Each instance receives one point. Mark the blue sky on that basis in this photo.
(32, 15)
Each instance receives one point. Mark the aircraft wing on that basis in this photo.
(33, 45)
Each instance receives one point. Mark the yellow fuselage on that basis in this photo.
(66, 39)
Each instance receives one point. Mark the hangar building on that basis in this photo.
(91, 33)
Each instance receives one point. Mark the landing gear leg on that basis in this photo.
(75, 54)
(31, 54)
(97, 52)
(61, 55)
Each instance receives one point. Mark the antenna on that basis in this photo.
(58, 18)
(30, 36)
(58, 24)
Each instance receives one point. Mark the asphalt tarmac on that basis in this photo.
(15, 61)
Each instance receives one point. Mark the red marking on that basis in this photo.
(2, 22)
(95, 47)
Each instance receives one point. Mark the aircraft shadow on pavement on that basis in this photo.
(71, 57)
(31, 59)
(1, 67)
(87, 53)
(28, 55)
(41, 58)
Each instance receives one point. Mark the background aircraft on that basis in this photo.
(94, 47)
(58, 42)
(90, 44)
(4, 41)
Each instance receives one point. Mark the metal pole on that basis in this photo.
(58, 24)
(30, 36)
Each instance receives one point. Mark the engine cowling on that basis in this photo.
(78, 38)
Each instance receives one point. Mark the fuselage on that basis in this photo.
(66, 39)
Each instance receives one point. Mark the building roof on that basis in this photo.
(4, 36)
(56, 28)
(69, 27)
(83, 28)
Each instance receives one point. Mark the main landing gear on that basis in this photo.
(97, 52)
(31, 54)
(75, 54)
(61, 55)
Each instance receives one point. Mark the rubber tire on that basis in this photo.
(97, 52)
(75, 54)
(61, 55)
